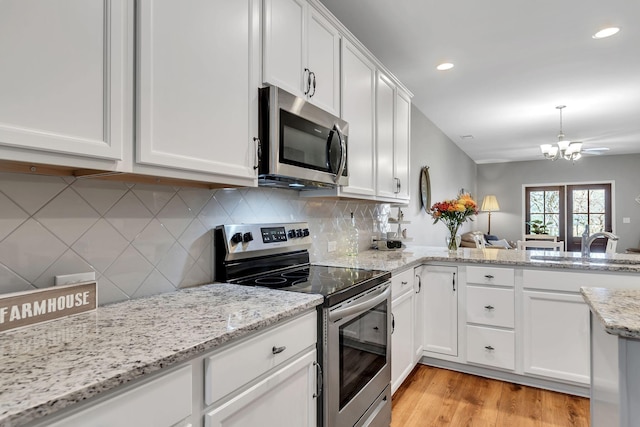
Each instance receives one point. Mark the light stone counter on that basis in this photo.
(412, 256)
(617, 309)
(47, 367)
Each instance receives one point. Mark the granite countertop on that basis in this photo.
(46, 367)
(617, 309)
(412, 256)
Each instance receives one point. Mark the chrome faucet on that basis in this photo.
(588, 240)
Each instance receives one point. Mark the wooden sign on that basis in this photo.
(41, 305)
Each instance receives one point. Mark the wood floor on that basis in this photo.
(439, 397)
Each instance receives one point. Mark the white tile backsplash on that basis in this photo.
(144, 239)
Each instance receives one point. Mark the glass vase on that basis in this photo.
(453, 239)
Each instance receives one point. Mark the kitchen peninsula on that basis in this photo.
(54, 366)
(615, 356)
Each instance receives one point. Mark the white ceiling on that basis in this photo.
(515, 61)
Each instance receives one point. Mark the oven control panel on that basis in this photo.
(262, 239)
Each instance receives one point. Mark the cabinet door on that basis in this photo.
(358, 109)
(283, 399)
(440, 287)
(401, 144)
(63, 76)
(197, 87)
(401, 340)
(385, 96)
(418, 314)
(324, 62)
(556, 336)
(284, 55)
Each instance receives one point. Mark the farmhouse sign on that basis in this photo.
(41, 305)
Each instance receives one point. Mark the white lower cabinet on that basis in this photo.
(556, 336)
(440, 285)
(401, 340)
(267, 380)
(403, 323)
(284, 398)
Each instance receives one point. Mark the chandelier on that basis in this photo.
(563, 149)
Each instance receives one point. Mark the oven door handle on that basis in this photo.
(366, 303)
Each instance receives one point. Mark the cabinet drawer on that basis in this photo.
(401, 283)
(490, 276)
(490, 306)
(163, 401)
(233, 367)
(492, 347)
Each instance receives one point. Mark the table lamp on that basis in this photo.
(490, 204)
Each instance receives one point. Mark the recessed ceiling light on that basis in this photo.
(607, 32)
(445, 66)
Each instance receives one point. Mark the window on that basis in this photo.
(587, 204)
(545, 206)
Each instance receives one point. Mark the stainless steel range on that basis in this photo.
(354, 321)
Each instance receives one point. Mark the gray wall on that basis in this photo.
(450, 170)
(506, 180)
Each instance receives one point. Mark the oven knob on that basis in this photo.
(247, 237)
(236, 238)
(298, 232)
(305, 232)
(291, 234)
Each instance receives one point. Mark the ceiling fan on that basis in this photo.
(563, 149)
(595, 151)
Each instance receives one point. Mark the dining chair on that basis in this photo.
(479, 240)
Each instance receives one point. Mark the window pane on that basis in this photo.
(596, 201)
(553, 227)
(552, 201)
(536, 202)
(580, 201)
(579, 223)
(596, 223)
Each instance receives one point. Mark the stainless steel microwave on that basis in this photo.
(301, 145)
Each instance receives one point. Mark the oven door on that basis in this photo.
(358, 355)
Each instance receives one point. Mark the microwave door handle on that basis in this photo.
(343, 153)
(359, 307)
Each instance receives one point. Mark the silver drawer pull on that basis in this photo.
(489, 307)
(488, 276)
(488, 347)
(277, 350)
(404, 283)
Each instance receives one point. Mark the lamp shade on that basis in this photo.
(490, 204)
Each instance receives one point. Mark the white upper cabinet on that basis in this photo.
(393, 115)
(62, 79)
(358, 109)
(385, 97)
(197, 86)
(401, 144)
(302, 52)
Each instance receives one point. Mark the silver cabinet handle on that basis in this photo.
(258, 152)
(318, 380)
(488, 347)
(277, 350)
(488, 276)
(489, 307)
(419, 283)
(312, 84)
(404, 283)
(307, 75)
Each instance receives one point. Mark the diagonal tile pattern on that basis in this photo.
(143, 239)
